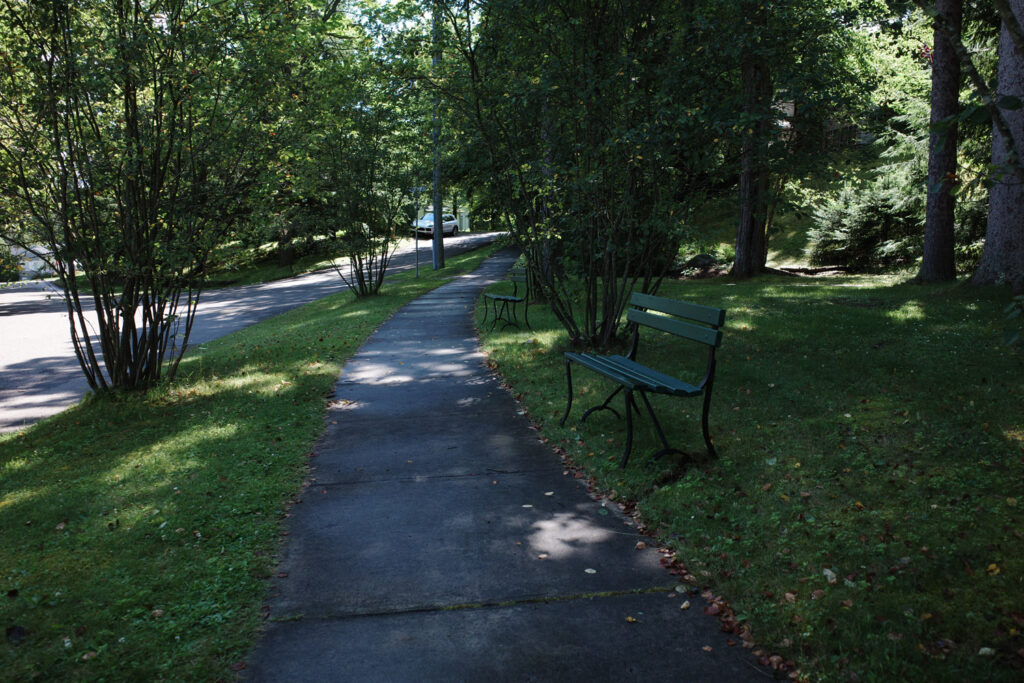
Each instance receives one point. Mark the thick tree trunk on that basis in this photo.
(751, 239)
(1003, 257)
(938, 264)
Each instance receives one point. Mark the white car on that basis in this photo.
(425, 225)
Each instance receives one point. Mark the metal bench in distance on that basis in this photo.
(504, 305)
(698, 324)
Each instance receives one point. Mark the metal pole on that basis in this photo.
(436, 134)
(415, 192)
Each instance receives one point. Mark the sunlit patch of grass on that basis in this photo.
(866, 427)
(138, 529)
(911, 310)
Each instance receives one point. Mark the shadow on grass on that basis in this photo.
(139, 528)
(865, 428)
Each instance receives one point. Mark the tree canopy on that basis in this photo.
(135, 139)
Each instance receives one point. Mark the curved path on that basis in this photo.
(441, 540)
(40, 376)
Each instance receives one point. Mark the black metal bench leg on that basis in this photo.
(568, 379)
(605, 406)
(657, 426)
(508, 314)
(500, 314)
(704, 418)
(494, 307)
(629, 428)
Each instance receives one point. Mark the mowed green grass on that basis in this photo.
(864, 516)
(138, 529)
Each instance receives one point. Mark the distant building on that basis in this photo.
(33, 261)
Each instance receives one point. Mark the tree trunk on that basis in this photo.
(938, 263)
(751, 239)
(1003, 257)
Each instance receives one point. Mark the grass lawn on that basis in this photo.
(864, 517)
(237, 265)
(138, 529)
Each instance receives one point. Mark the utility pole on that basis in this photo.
(415, 192)
(438, 208)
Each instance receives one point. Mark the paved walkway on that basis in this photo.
(441, 540)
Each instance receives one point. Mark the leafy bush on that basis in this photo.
(878, 225)
(8, 265)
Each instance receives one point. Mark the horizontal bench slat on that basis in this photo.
(633, 374)
(702, 314)
(704, 335)
(596, 364)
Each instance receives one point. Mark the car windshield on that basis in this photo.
(427, 217)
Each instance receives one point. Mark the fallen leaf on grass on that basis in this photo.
(89, 655)
(631, 620)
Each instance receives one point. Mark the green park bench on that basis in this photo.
(504, 306)
(699, 324)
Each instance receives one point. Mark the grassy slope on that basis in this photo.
(241, 266)
(864, 427)
(138, 530)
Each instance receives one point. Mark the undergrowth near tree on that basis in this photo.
(139, 529)
(864, 516)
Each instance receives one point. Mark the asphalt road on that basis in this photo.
(40, 375)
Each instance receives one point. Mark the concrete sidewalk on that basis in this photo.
(441, 540)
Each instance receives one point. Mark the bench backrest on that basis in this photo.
(692, 321)
(517, 276)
